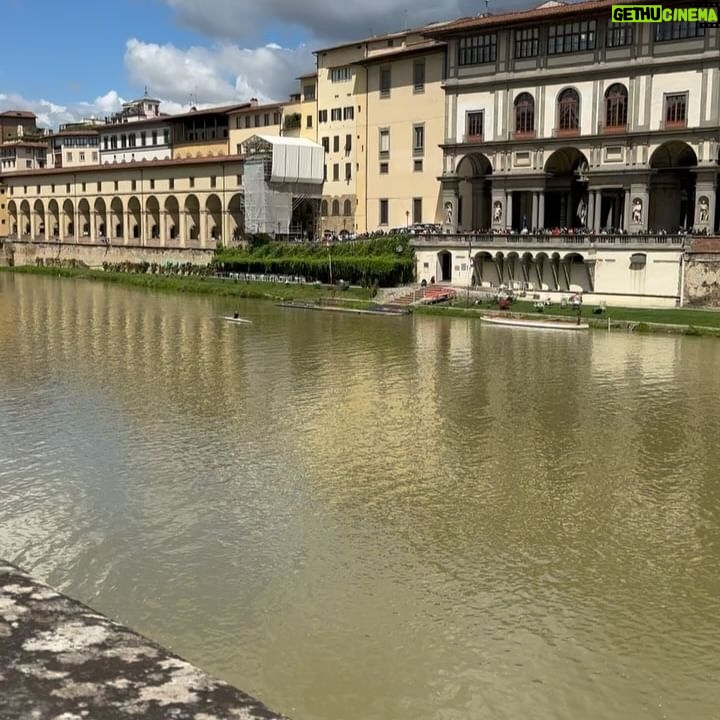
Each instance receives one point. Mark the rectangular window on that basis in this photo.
(474, 122)
(571, 37)
(678, 31)
(68, 157)
(84, 187)
(419, 76)
(417, 211)
(385, 143)
(336, 171)
(309, 92)
(248, 121)
(37, 189)
(348, 144)
(213, 182)
(527, 43)
(675, 110)
(417, 165)
(67, 188)
(385, 82)
(152, 184)
(619, 34)
(340, 74)
(348, 171)
(115, 185)
(154, 137)
(99, 187)
(308, 121)
(134, 185)
(324, 173)
(238, 180)
(192, 182)
(95, 156)
(322, 116)
(171, 184)
(336, 143)
(384, 168)
(277, 117)
(105, 143)
(326, 144)
(336, 114)
(166, 137)
(131, 140)
(477, 50)
(348, 113)
(266, 119)
(123, 141)
(257, 120)
(82, 156)
(418, 139)
(384, 212)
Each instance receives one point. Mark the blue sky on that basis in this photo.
(80, 58)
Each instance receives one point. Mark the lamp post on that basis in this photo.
(407, 220)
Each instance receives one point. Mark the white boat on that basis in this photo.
(537, 324)
(238, 320)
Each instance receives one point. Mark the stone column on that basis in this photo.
(509, 211)
(182, 230)
(591, 210)
(626, 209)
(534, 216)
(597, 211)
(93, 226)
(541, 209)
(162, 228)
(639, 206)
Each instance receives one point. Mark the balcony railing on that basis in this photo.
(597, 241)
(473, 139)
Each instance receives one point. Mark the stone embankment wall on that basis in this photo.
(702, 273)
(25, 253)
(60, 659)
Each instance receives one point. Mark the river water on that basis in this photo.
(358, 517)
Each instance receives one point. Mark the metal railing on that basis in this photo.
(587, 241)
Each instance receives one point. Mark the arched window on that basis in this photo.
(347, 208)
(323, 208)
(569, 110)
(335, 207)
(524, 114)
(616, 106)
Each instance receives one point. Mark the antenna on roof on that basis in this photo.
(487, 7)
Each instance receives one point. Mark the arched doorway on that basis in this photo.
(672, 187)
(304, 219)
(13, 217)
(474, 192)
(541, 262)
(152, 218)
(575, 273)
(54, 218)
(25, 225)
(134, 218)
(39, 211)
(84, 218)
(444, 266)
(68, 219)
(172, 212)
(100, 220)
(483, 268)
(192, 219)
(236, 211)
(213, 211)
(116, 219)
(566, 189)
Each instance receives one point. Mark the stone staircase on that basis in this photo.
(424, 296)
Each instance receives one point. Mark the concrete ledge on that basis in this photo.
(61, 660)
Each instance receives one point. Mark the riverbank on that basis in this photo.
(62, 659)
(680, 321)
(223, 287)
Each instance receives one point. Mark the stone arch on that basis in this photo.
(236, 213)
(24, 225)
(483, 268)
(672, 187)
(474, 172)
(84, 218)
(134, 218)
(13, 217)
(512, 265)
(68, 219)
(192, 218)
(444, 266)
(214, 215)
(335, 207)
(304, 218)
(526, 269)
(542, 263)
(574, 273)
(39, 212)
(117, 219)
(100, 210)
(54, 219)
(566, 189)
(172, 211)
(324, 208)
(152, 217)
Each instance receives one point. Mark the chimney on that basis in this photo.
(253, 102)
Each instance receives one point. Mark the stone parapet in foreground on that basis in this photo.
(62, 660)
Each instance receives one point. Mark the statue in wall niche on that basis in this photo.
(704, 209)
(637, 211)
(448, 213)
(497, 212)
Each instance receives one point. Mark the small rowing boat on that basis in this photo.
(535, 324)
(237, 320)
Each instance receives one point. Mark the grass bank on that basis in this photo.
(204, 285)
(681, 321)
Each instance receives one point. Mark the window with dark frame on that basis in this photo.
(527, 43)
(678, 31)
(417, 211)
(676, 110)
(524, 114)
(419, 76)
(336, 143)
(619, 34)
(569, 110)
(571, 37)
(418, 139)
(384, 211)
(474, 124)
(348, 113)
(477, 50)
(336, 171)
(385, 82)
(616, 106)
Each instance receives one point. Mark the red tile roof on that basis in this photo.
(18, 113)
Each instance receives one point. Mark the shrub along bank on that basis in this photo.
(382, 261)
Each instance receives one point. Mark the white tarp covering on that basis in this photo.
(295, 160)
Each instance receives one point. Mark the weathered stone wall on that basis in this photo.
(702, 273)
(25, 253)
(61, 659)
